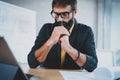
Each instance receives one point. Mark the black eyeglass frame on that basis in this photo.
(62, 14)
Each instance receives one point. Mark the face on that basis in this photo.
(63, 13)
(63, 16)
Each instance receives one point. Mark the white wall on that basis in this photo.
(115, 26)
(115, 30)
(18, 27)
(105, 58)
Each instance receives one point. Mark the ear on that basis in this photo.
(75, 12)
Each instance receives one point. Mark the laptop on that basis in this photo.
(9, 67)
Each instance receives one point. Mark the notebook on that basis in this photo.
(101, 73)
(105, 73)
(9, 67)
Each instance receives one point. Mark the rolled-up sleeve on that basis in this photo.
(90, 51)
(33, 63)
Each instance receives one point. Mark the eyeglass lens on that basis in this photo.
(62, 14)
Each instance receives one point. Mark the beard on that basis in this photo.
(67, 25)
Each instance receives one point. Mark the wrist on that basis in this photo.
(75, 54)
(50, 43)
(78, 56)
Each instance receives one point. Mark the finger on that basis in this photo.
(63, 35)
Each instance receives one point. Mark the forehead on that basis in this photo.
(62, 8)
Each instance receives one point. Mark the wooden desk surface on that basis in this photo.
(44, 74)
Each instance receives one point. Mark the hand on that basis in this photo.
(65, 43)
(57, 33)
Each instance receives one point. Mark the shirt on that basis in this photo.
(81, 38)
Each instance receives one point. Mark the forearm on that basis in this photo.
(86, 61)
(74, 53)
(42, 52)
(78, 57)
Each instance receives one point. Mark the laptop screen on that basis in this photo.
(9, 67)
(8, 63)
(6, 55)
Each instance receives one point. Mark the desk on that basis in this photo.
(44, 74)
(54, 74)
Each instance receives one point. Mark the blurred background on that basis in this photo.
(21, 20)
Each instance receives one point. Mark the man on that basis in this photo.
(64, 44)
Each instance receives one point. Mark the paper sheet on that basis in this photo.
(102, 73)
(72, 75)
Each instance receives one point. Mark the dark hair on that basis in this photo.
(72, 3)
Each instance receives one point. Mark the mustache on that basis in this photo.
(60, 23)
(67, 25)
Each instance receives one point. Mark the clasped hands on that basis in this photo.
(61, 35)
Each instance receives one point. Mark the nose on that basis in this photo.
(59, 18)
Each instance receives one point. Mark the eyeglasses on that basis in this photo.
(64, 15)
